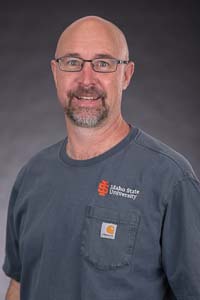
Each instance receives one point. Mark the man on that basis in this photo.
(109, 212)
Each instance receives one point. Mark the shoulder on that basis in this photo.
(48, 153)
(163, 156)
(42, 161)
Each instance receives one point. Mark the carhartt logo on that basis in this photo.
(108, 230)
(103, 187)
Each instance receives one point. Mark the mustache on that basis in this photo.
(91, 91)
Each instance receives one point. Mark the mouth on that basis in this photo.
(88, 98)
(87, 101)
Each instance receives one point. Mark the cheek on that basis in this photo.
(114, 87)
(61, 93)
(63, 87)
(61, 83)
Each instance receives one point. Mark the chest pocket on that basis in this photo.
(109, 237)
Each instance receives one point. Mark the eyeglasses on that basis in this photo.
(75, 64)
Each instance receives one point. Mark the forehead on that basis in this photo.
(90, 39)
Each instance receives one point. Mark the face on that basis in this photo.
(89, 98)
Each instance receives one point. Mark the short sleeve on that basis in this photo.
(12, 263)
(181, 240)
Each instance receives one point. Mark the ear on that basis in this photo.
(128, 73)
(54, 70)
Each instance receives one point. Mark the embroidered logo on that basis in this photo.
(108, 230)
(104, 188)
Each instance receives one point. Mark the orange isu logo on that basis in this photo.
(103, 187)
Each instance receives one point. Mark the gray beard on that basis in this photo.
(87, 117)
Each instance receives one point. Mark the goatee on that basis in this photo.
(87, 116)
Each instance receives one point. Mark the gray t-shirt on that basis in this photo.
(124, 225)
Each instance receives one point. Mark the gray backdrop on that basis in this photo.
(163, 98)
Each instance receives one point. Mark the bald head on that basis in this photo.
(93, 32)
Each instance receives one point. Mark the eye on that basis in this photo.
(103, 63)
(72, 62)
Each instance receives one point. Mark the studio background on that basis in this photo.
(162, 99)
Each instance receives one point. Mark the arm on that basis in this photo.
(12, 262)
(13, 292)
(181, 240)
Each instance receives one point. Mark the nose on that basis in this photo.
(87, 74)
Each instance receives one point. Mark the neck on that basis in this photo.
(85, 143)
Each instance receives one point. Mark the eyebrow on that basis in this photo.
(69, 54)
(104, 56)
(100, 55)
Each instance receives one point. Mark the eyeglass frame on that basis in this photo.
(118, 61)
